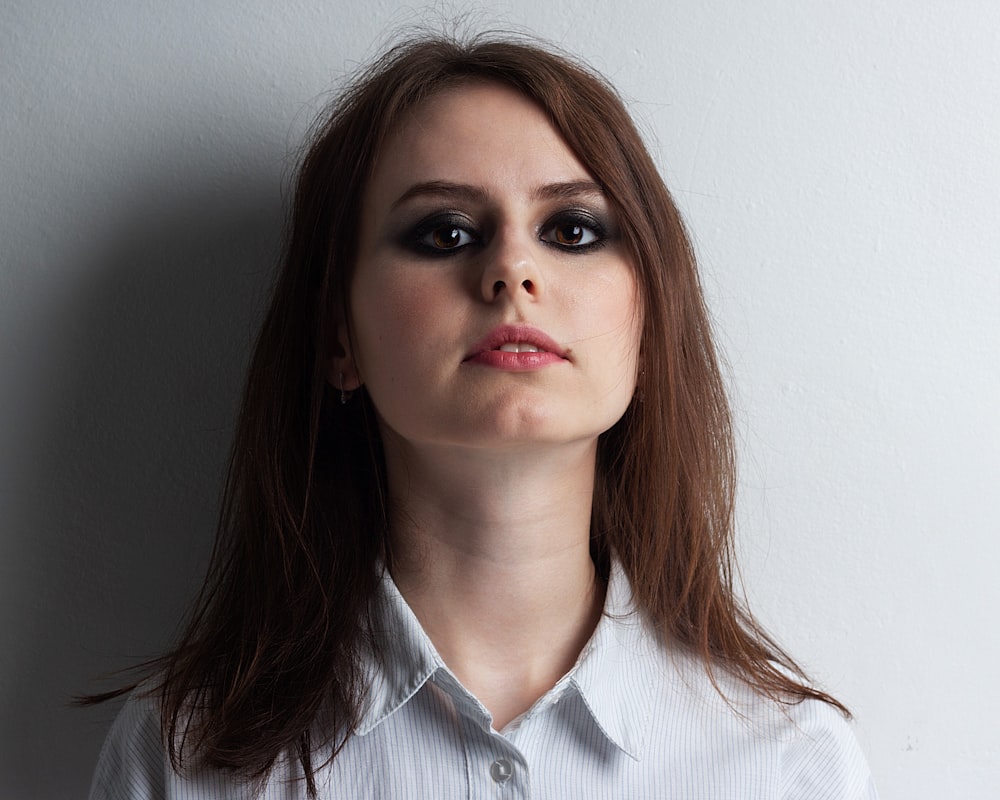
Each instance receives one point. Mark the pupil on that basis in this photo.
(446, 237)
(570, 234)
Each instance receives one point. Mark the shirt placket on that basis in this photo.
(496, 769)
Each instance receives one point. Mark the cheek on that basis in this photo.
(627, 310)
(612, 309)
(396, 318)
(621, 307)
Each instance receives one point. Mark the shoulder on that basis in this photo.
(705, 726)
(821, 757)
(132, 760)
(799, 750)
(134, 764)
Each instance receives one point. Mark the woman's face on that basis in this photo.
(493, 304)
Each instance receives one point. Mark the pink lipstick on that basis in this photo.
(518, 348)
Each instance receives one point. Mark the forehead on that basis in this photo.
(485, 134)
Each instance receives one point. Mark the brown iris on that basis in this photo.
(568, 234)
(446, 237)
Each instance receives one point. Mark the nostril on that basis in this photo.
(497, 286)
(528, 285)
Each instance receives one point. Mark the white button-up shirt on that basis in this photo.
(632, 719)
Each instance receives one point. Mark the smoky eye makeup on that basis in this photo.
(574, 230)
(577, 230)
(440, 234)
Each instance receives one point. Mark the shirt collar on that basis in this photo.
(403, 660)
(614, 675)
(619, 667)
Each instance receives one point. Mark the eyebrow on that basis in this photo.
(550, 191)
(567, 191)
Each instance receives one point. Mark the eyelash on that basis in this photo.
(590, 225)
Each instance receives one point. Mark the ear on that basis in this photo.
(341, 368)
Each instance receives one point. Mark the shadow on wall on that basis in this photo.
(117, 502)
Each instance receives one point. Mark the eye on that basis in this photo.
(570, 234)
(442, 235)
(575, 230)
(446, 237)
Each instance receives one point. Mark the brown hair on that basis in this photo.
(275, 639)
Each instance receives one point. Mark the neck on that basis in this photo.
(492, 553)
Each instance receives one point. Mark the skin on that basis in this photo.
(477, 216)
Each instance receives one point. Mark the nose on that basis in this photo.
(510, 268)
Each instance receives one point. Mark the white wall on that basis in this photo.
(839, 167)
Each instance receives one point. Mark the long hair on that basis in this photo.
(276, 636)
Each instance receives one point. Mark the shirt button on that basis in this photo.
(501, 770)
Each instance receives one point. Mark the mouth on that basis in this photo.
(516, 339)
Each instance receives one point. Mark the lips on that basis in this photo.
(516, 339)
(516, 347)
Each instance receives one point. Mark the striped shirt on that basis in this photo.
(632, 719)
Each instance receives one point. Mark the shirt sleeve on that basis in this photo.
(824, 761)
(132, 764)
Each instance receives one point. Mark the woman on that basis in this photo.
(476, 535)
